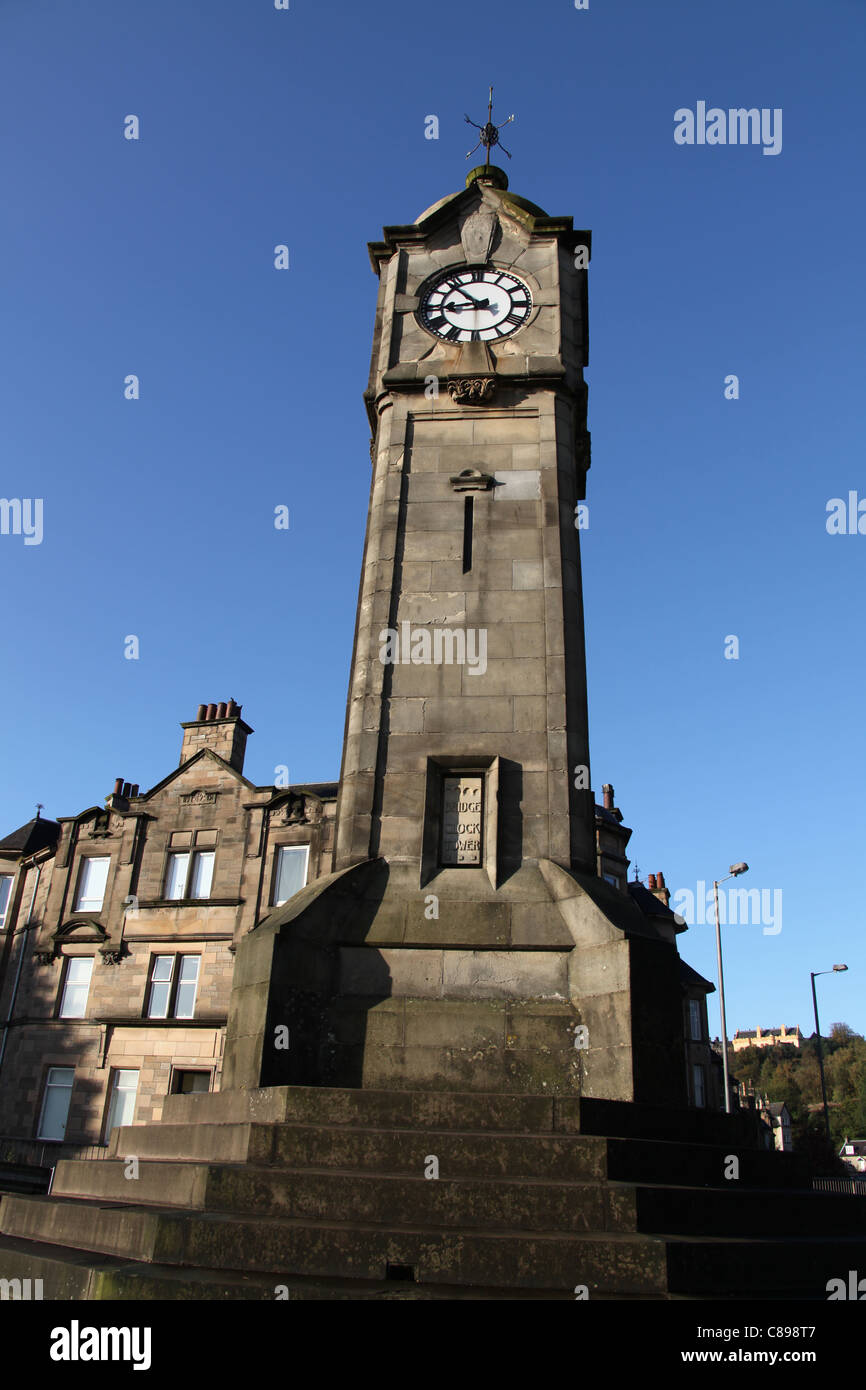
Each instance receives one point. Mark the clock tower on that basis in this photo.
(465, 939)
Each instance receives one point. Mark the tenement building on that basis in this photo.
(119, 927)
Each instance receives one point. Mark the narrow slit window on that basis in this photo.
(467, 533)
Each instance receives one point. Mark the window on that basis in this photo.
(189, 874)
(76, 982)
(186, 1083)
(695, 1025)
(5, 891)
(612, 880)
(92, 879)
(121, 1107)
(55, 1103)
(290, 873)
(700, 1092)
(173, 981)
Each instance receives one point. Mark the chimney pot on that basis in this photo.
(221, 710)
(126, 788)
(607, 790)
(118, 786)
(232, 710)
(134, 791)
(661, 880)
(202, 712)
(210, 712)
(651, 884)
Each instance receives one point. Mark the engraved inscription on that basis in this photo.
(461, 820)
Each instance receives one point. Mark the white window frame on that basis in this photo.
(7, 880)
(83, 904)
(276, 875)
(194, 859)
(696, 1020)
(50, 1085)
(68, 963)
(174, 983)
(114, 1091)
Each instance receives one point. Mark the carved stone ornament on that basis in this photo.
(471, 480)
(44, 957)
(300, 810)
(480, 234)
(199, 798)
(113, 956)
(472, 390)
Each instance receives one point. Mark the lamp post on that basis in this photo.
(733, 872)
(814, 974)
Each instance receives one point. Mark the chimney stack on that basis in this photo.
(217, 727)
(658, 887)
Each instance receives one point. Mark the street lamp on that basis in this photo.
(733, 872)
(814, 974)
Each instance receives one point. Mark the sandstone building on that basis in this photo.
(119, 927)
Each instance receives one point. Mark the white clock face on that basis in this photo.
(475, 305)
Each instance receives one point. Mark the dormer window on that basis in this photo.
(92, 878)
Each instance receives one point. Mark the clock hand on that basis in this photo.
(460, 308)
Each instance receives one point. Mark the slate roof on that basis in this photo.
(690, 978)
(30, 838)
(651, 906)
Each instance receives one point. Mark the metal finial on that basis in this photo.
(40, 806)
(489, 133)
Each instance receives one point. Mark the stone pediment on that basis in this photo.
(191, 773)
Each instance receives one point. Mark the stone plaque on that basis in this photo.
(461, 820)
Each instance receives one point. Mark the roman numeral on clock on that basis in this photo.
(514, 318)
(453, 335)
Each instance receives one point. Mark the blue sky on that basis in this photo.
(707, 516)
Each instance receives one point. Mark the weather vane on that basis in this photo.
(489, 133)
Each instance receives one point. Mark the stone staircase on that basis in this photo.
(312, 1193)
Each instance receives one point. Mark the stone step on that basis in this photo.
(79, 1276)
(285, 1247)
(453, 1111)
(703, 1165)
(746, 1212)
(791, 1268)
(489, 1203)
(221, 1143)
(461, 1153)
(369, 1198)
(610, 1265)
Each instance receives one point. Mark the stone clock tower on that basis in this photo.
(465, 939)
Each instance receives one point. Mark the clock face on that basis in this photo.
(476, 304)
